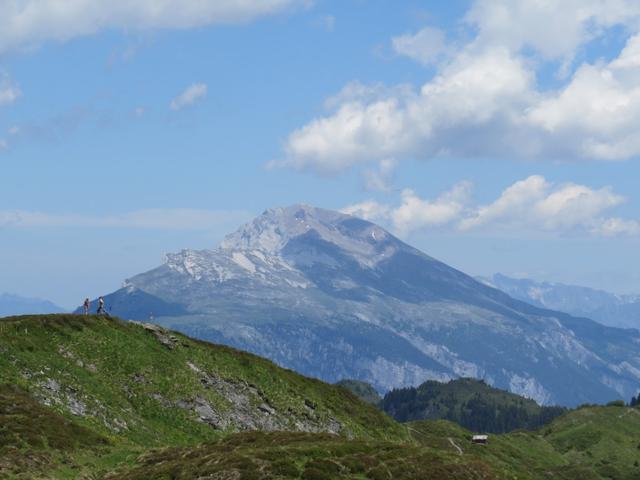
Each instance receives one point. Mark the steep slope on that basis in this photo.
(621, 311)
(334, 296)
(122, 387)
(470, 403)
(33, 436)
(146, 384)
(17, 305)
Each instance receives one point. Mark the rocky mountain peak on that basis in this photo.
(275, 228)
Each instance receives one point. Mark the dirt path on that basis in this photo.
(455, 445)
(451, 441)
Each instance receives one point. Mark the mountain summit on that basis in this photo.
(335, 296)
(275, 228)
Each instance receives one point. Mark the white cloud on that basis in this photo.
(380, 178)
(462, 109)
(28, 23)
(617, 226)
(369, 210)
(426, 46)
(596, 114)
(9, 90)
(415, 213)
(484, 101)
(530, 205)
(191, 95)
(536, 204)
(555, 29)
(162, 219)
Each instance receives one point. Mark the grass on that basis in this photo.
(125, 386)
(259, 455)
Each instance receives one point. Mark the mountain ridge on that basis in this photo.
(621, 311)
(335, 296)
(11, 304)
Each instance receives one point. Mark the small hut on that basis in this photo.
(480, 439)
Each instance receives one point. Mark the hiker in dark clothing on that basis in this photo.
(85, 306)
(101, 306)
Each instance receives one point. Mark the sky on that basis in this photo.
(495, 135)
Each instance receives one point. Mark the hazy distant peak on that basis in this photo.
(16, 305)
(608, 308)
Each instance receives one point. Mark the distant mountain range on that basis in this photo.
(607, 308)
(17, 305)
(333, 296)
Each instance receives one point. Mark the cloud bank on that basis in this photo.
(484, 100)
(154, 219)
(29, 23)
(530, 205)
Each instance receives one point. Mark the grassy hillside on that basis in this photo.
(94, 398)
(137, 385)
(470, 403)
(363, 390)
(587, 444)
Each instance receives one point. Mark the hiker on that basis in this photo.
(86, 305)
(101, 306)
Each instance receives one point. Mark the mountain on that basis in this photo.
(333, 296)
(16, 305)
(470, 403)
(621, 311)
(99, 398)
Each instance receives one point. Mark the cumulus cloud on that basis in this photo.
(162, 219)
(484, 101)
(415, 213)
(425, 46)
(28, 23)
(553, 29)
(9, 90)
(189, 96)
(369, 210)
(532, 204)
(464, 109)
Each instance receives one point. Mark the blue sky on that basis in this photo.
(496, 136)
